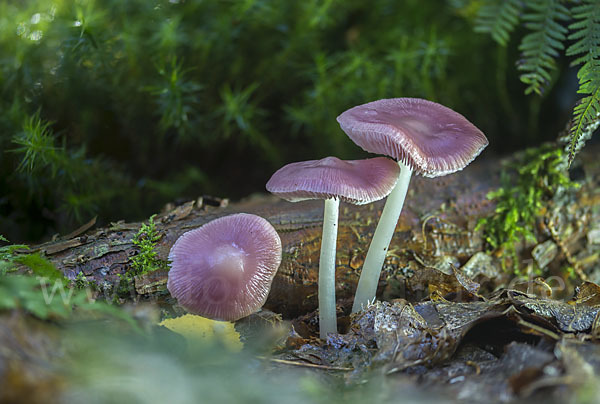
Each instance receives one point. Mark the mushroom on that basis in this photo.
(223, 270)
(358, 182)
(422, 136)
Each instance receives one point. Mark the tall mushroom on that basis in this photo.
(223, 270)
(422, 136)
(358, 182)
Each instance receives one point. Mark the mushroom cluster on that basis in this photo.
(224, 269)
(422, 136)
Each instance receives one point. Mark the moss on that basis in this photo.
(147, 259)
(144, 262)
(527, 186)
(125, 287)
(82, 282)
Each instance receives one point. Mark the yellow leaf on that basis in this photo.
(200, 330)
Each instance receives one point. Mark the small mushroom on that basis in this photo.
(223, 270)
(422, 136)
(358, 182)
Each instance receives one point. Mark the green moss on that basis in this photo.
(144, 262)
(125, 286)
(147, 259)
(527, 185)
(82, 282)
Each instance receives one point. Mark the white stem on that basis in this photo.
(327, 314)
(369, 277)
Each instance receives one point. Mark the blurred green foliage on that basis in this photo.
(104, 367)
(53, 300)
(13, 254)
(48, 294)
(7, 255)
(114, 107)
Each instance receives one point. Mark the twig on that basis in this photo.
(304, 364)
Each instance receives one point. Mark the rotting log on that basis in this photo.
(436, 231)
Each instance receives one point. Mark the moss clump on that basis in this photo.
(527, 185)
(147, 259)
(82, 282)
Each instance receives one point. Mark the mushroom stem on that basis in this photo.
(327, 313)
(369, 277)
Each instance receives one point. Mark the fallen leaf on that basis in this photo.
(197, 329)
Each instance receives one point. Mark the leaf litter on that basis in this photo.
(508, 347)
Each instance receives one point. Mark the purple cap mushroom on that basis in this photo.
(223, 270)
(422, 136)
(357, 182)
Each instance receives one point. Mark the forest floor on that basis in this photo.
(452, 323)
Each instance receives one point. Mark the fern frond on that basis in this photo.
(498, 18)
(586, 114)
(586, 32)
(542, 45)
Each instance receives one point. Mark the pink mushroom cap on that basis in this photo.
(432, 139)
(223, 270)
(354, 181)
